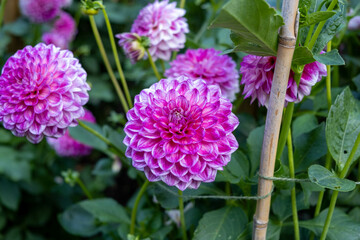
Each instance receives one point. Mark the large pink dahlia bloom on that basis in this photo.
(258, 72)
(66, 146)
(180, 132)
(164, 25)
(209, 65)
(42, 92)
(40, 11)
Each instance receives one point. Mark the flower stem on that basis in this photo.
(335, 193)
(321, 25)
(107, 63)
(117, 61)
(2, 11)
(285, 128)
(136, 205)
(182, 216)
(83, 187)
(328, 79)
(153, 65)
(293, 190)
(182, 3)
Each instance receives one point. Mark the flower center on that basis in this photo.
(176, 116)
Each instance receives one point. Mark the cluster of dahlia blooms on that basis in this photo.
(40, 11)
(42, 92)
(62, 33)
(180, 132)
(209, 65)
(66, 146)
(165, 27)
(258, 72)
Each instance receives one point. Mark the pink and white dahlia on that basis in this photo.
(63, 32)
(40, 11)
(209, 65)
(66, 146)
(164, 25)
(42, 92)
(258, 72)
(354, 23)
(180, 132)
(133, 45)
(66, 3)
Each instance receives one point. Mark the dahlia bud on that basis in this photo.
(91, 8)
(180, 132)
(134, 46)
(42, 92)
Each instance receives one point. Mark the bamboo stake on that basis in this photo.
(286, 47)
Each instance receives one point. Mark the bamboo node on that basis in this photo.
(287, 42)
(259, 224)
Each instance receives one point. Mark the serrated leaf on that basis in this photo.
(316, 17)
(224, 223)
(330, 58)
(302, 56)
(253, 33)
(330, 29)
(341, 227)
(326, 179)
(342, 128)
(106, 210)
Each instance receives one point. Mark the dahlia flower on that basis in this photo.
(133, 45)
(66, 146)
(164, 25)
(180, 132)
(257, 75)
(66, 3)
(209, 65)
(63, 32)
(40, 11)
(42, 92)
(354, 23)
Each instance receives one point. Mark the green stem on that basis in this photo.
(2, 11)
(182, 3)
(311, 29)
(153, 65)
(136, 205)
(285, 128)
(162, 63)
(182, 216)
(85, 190)
(335, 193)
(321, 25)
(328, 79)
(117, 61)
(293, 190)
(107, 63)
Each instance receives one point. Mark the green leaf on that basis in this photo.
(77, 221)
(87, 138)
(316, 17)
(342, 128)
(12, 165)
(324, 178)
(235, 170)
(106, 210)
(330, 29)
(309, 147)
(304, 124)
(5, 136)
(302, 56)
(341, 227)
(224, 223)
(330, 58)
(253, 33)
(9, 194)
(254, 143)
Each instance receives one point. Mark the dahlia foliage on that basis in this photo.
(67, 146)
(42, 92)
(180, 132)
(209, 65)
(164, 25)
(257, 76)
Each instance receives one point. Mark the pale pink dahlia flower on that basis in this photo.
(164, 25)
(66, 3)
(40, 11)
(133, 45)
(354, 23)
(257, 75)
(42, 92)
(66, 146)
(180, 132)
(209, 65)
(63, 32)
